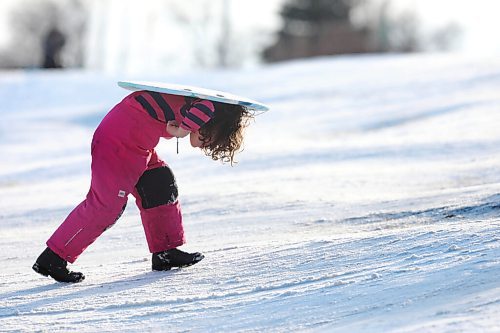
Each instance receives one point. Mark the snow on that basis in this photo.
(366, 200)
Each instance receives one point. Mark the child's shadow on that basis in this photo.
(82, 291)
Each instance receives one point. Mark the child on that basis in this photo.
(124, 162)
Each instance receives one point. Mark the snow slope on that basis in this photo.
(367, 200)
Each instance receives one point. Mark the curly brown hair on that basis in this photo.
(222, 136)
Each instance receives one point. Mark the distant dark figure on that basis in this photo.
(52, 45)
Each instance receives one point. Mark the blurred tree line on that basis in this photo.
(317, 27)
(51, 34)
(326, 27)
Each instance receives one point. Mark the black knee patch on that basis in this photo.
(157, 187)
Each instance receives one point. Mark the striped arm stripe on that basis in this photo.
(148, 107)
(184, 110)
(195, 119)
(190, 125)
(165, 108)
(205, 109)
(186, 126)
(197, 113)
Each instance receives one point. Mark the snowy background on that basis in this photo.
(366, 200)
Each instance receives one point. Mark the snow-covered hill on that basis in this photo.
(367, 200)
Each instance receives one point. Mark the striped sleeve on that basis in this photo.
(198, 115)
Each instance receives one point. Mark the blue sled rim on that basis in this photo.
(196, 92)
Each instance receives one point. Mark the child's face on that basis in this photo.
(195, 139)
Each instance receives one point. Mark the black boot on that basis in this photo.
(50, 264)
(165, 260)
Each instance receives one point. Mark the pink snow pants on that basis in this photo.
(122, 150)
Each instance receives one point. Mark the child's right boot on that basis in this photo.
(50, 264)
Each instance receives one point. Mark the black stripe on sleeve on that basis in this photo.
(167, 110)
(186, 125)
(205, 109)
(145, 104)
(184, 109)
(195, 119)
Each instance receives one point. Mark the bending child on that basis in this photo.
(124, 162)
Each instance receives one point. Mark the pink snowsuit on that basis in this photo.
(122, 150)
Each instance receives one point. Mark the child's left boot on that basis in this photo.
(166, 260)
